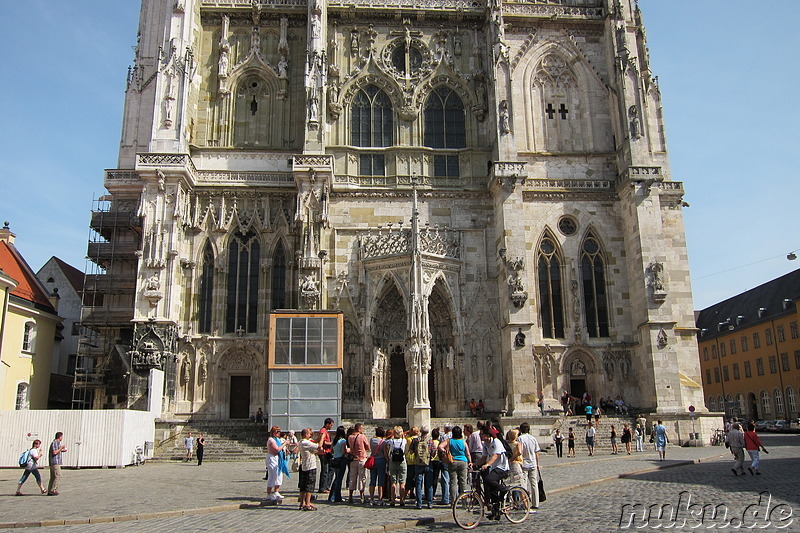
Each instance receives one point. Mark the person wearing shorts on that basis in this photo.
(590, 433)
(397, 466)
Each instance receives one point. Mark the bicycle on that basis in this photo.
(469, 508)
(718, 437)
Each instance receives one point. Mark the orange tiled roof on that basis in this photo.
(29, 288)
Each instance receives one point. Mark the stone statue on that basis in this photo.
(519, 339)
(450, 360)
(354, 45)
(505, 120)
(223, 62)
(283, 65)
(309, 284)
(202, 372)
(656, 281)
(152, 283)
(633, 113)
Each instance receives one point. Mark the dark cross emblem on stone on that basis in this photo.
(550, 111)
(563, 110)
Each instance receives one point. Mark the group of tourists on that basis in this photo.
(399, 466)
(33, 458)
(573, 405)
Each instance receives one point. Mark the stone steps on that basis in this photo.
(225, 441)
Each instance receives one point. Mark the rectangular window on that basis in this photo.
(372, 165)
(760, 366)
(445, 166)
(773, 364)
(793, 330)
(747, 372)
(779, 333)
(713, 352)
(708, 376)
(705, 354)
(716, 375)
(756, 341)
(722, 349)
(735, 370)
(768, 336)
(744, 344)
(733, 346)
(785, 362)
(725, 373)
(301, 340)
(797, 359)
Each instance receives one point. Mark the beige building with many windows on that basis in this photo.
(482, 188)
(750, 351)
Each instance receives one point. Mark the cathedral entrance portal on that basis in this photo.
(398, 384)
(240, 397)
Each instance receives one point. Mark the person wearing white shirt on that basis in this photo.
(495, 469)
(530, 462)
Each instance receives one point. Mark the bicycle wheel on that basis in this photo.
(468, 510)
(516, 505)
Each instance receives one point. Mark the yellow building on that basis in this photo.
(750, 351)
(27, 331)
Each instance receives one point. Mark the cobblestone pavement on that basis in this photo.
(207, 498)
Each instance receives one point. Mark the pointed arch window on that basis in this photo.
(279, 278)
(206, 290)
(241, 313)
(371, 125)
(445, 128)
(595, 297)
(550, 297)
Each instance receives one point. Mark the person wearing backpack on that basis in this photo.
(31, 466)
(395, 450)
(422, 467)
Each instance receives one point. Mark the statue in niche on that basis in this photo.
(152, 283)
(354, 45)
(309, 284)
(656, 280)
(222, 71)
(450, 359)
(457, 44)
(625, 366)
(474, 365)
(202, 376)
(255, 41)
(633, 113)
(425, 358)
(519, 339)
(609, 367)
(283, 65)
(546, 372)
(490, 367)
(186, 376)
(505, 120)
(413, 356)
(313, 110)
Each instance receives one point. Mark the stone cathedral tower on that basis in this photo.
(482, 188)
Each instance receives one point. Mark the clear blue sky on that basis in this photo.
(728, 75)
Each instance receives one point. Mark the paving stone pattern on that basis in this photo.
(585, 494)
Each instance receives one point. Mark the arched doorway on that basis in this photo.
(398, 384)
(238, 380)
(444, 383)
(752, 407)
(577, 377)
(389, 335)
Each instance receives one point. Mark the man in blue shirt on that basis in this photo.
(56, 449)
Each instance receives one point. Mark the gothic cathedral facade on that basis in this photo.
(482, 188)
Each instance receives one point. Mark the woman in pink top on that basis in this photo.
(753, 444)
